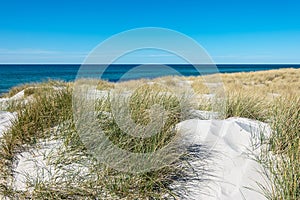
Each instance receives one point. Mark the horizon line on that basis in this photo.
(150, 64)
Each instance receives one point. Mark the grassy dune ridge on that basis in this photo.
(270, 96)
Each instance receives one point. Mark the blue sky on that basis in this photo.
(232, 31)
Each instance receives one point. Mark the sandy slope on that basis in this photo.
(5, 120)
(7, 117)
(233, 143)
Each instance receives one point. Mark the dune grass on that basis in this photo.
(241, 104)
(285, 146)
(142, 105)
(51, 109)
(30, 88)
(271, 96)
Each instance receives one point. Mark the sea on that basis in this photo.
(17, 74)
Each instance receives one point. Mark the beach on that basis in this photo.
(228, 154)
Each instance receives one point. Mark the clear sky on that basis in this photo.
(232, 31)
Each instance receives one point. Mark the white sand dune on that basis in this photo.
(33, 165)
(7, 117)
(233, 143)
(5, 121)
(4, 102)
(17, 96)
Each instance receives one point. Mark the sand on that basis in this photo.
(234, 143)
(6, 119)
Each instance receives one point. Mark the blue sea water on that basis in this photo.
(13, 75)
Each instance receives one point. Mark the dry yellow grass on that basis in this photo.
(132, 84)
(269, 83)
(282, 81)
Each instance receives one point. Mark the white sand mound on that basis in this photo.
(233, 143)
(6, 117)
(5, 121)
(4, 102)
(17, 96)
(33, 165)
